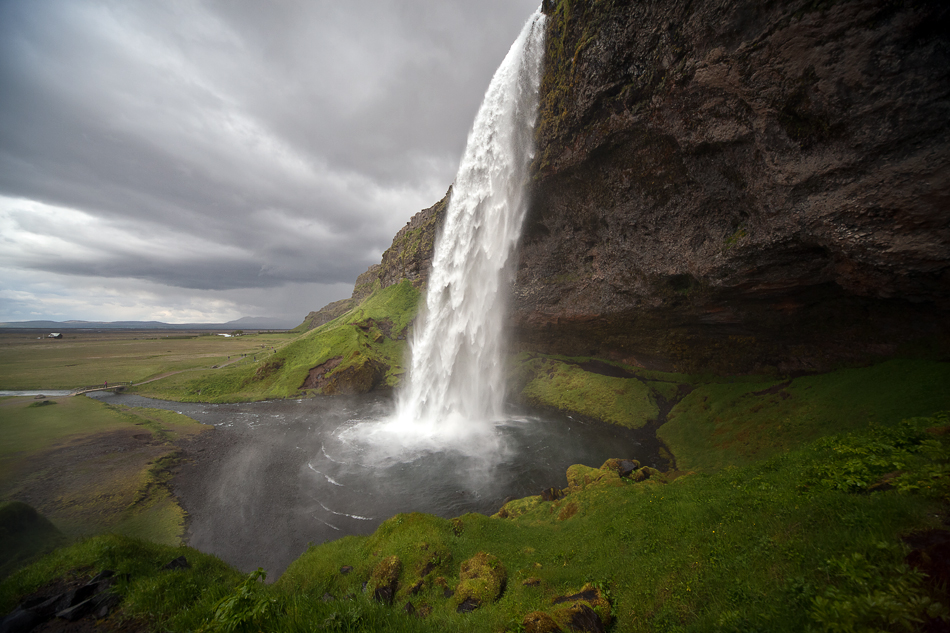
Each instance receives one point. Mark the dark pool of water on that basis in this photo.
(278, 475)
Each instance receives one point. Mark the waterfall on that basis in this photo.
(456, 377)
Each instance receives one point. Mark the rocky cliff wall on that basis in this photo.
(738, 185)
(410, 256)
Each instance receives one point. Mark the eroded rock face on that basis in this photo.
(409, 257)
(734, 185)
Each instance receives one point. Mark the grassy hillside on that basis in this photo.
(717, 421)
(369, 341)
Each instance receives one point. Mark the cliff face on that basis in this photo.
(410, 256)
(735, 185)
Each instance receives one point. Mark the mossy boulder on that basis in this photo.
(623, 467)
(384, 579)
(584, 610)
(539, 622)
(645, 473)
(580, 477)
(482, 580)
(360, 377)
(517, 507)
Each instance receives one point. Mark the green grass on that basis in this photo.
(120, 485)
(82, 359)
(566, 387)
(24, 534)
(358, 336)
(26, 429)
(729, 424)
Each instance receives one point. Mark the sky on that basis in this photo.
(204, 160)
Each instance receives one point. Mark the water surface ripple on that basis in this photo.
(274, 476)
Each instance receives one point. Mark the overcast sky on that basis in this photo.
(202, 160)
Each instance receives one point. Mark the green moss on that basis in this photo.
(580, 477)
(587, 597)
(517, 507)
(385, 576)
(737, 423)
(481, 580)
(566, 387)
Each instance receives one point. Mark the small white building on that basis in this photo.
(55, 335)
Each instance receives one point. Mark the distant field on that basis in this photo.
(90, 358)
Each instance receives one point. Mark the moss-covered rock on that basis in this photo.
(360, 377)
(517, 507)
(580, 477)
(409, 257)
(584, 610)
(482, 580)
(539, 622)
(623, 467)
(645, 473)
(385, 579)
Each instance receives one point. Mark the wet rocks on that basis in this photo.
(94, 598)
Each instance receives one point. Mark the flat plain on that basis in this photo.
(30, 360)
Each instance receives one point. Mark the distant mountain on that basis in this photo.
(244, 323)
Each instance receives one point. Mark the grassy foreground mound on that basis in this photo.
(354, 353)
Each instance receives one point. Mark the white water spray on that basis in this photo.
(456, 380)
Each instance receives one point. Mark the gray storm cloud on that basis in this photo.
(261, 152)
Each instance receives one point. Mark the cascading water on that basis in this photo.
(456, 379)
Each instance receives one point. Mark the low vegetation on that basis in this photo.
(817, 538)
(83, 358)
(88, 468)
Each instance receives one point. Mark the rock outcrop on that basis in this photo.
(328, 312)
(409, 257)
(733, 185)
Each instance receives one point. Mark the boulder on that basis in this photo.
(481, 581)
(384, 579)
